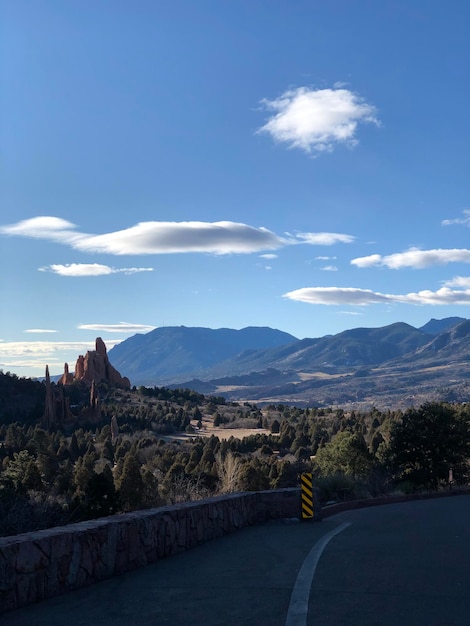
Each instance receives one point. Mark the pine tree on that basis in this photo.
(131, 485)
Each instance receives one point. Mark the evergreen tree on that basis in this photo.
(346, 453)
(131, 485)
(32, 478)
(427, 443)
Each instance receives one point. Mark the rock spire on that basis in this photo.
(95, 367)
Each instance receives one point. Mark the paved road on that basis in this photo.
(398, 564)
(402, 564)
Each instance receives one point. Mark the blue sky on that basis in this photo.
(298, 165)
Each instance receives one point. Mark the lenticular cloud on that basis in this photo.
(362, 297)
(216, 238)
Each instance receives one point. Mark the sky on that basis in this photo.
(302, 165)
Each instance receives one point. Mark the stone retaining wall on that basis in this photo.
(42, 564)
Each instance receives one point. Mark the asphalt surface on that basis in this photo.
(402, 564)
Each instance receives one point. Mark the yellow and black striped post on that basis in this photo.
(307, 496)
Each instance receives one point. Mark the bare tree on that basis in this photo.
(228, 470)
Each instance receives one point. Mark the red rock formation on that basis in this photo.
(95, 367)
(66, 377)
(49, 416)
(80, 368)
(92, 369)
(100, 347)
(114, 429)
(57, 406)
(95, 405)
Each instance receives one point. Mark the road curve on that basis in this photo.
(396, 564)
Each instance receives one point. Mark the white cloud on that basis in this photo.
(39, 330)
(161, 238)
(91, 269)
(443, 296)
(182, 237)
(458, 281)
(329, 268)
(335, 295)
(414, 258)
(362, 297)
(122, 327)
(325, 258)
(317, 120)
(22, 348)
(47, 348)
(36, 354)
(45, 227)
(268, 256)
(368, 261)
(324, 239)
(465, 220)
(39, 365)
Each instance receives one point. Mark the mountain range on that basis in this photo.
(393, 366)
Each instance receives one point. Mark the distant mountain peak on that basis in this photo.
(434, 326)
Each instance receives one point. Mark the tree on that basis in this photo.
(81, 477)
(101, 496)
(275, 427)
(346, 453)
(427, 442)
(287, 475)
(151, 496)
(32, 477)
(131, 485)
(228, 470)
(253, 476)
(17, 469)
(74, 448)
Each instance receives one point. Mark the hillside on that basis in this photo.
(391, 366)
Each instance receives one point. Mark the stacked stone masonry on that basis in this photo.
(46, 563)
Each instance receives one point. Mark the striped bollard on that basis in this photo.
(307, 496)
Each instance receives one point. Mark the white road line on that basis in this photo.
(298, 606)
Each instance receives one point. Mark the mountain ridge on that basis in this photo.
(394, 364)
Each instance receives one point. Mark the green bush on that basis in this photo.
(340, 488)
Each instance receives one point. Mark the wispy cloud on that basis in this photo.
(162, 238)
(47, 348)
(362, 297)
(465, 220)
(91, 269)
(36, 354)
(316, 120)
(324, 239)
(122, 327)
(414, 258)
(39, 330)
(44, 227)
(268, 256)
(329, 268)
